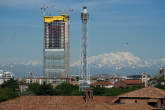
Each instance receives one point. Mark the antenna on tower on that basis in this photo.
(43, 9)
(66, 10)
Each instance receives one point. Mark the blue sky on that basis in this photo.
(112, 23)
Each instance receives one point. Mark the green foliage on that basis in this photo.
(27, 92)
(9, 90)
(160, 87)
(160, 79)
(78, 93)
(93, 78)
(67, 89)
(5, 94)
(43, 89)
(101, 91)
(12, 84)
(135, 76)
(63, 89)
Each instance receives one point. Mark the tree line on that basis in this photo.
(10, 89)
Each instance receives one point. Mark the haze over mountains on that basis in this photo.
(123, 63)
(120, 63)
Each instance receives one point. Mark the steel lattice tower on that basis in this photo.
(84, 75)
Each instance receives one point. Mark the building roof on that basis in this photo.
(133, 82)
(57, 103)
(75, 82)
(102, 83)
(147, 92)
(132, 106)
(50, 19)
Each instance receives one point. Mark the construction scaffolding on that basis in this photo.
(56, 46)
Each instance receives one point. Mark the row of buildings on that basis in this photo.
(101, 81)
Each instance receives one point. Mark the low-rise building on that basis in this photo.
(75, 83)
(149, 95)
(53, 81)
(5, 76)
(128, 83)
(106, 84)
(133, 106)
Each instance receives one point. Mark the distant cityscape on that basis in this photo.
(107, 81)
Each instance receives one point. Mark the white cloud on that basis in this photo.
(119, 60)
(31, 63)
(162, 59)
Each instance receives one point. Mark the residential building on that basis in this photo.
(149, 95)
(5, 76)
(128, 83)
(106, 84)
(53, 81)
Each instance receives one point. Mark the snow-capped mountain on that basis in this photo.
(121, 62)
(22, 69)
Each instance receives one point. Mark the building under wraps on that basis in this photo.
(56, 46)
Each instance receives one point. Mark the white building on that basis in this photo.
(145, 78)
(5, 76)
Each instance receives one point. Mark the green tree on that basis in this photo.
(5, 94)
(68, 89)
(101, 91)
(43, 89)
(160, 87)
(9, 89)
(12, 84)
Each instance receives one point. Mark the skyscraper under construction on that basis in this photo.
(56, 46)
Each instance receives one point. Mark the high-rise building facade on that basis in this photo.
(56, 46)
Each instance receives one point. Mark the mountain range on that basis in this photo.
(119, 63)
(122, 63)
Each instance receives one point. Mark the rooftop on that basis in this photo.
(50, 19)
(102, 83)
(147, 92)
(132, 82)
(57, 102)
(132, 106)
